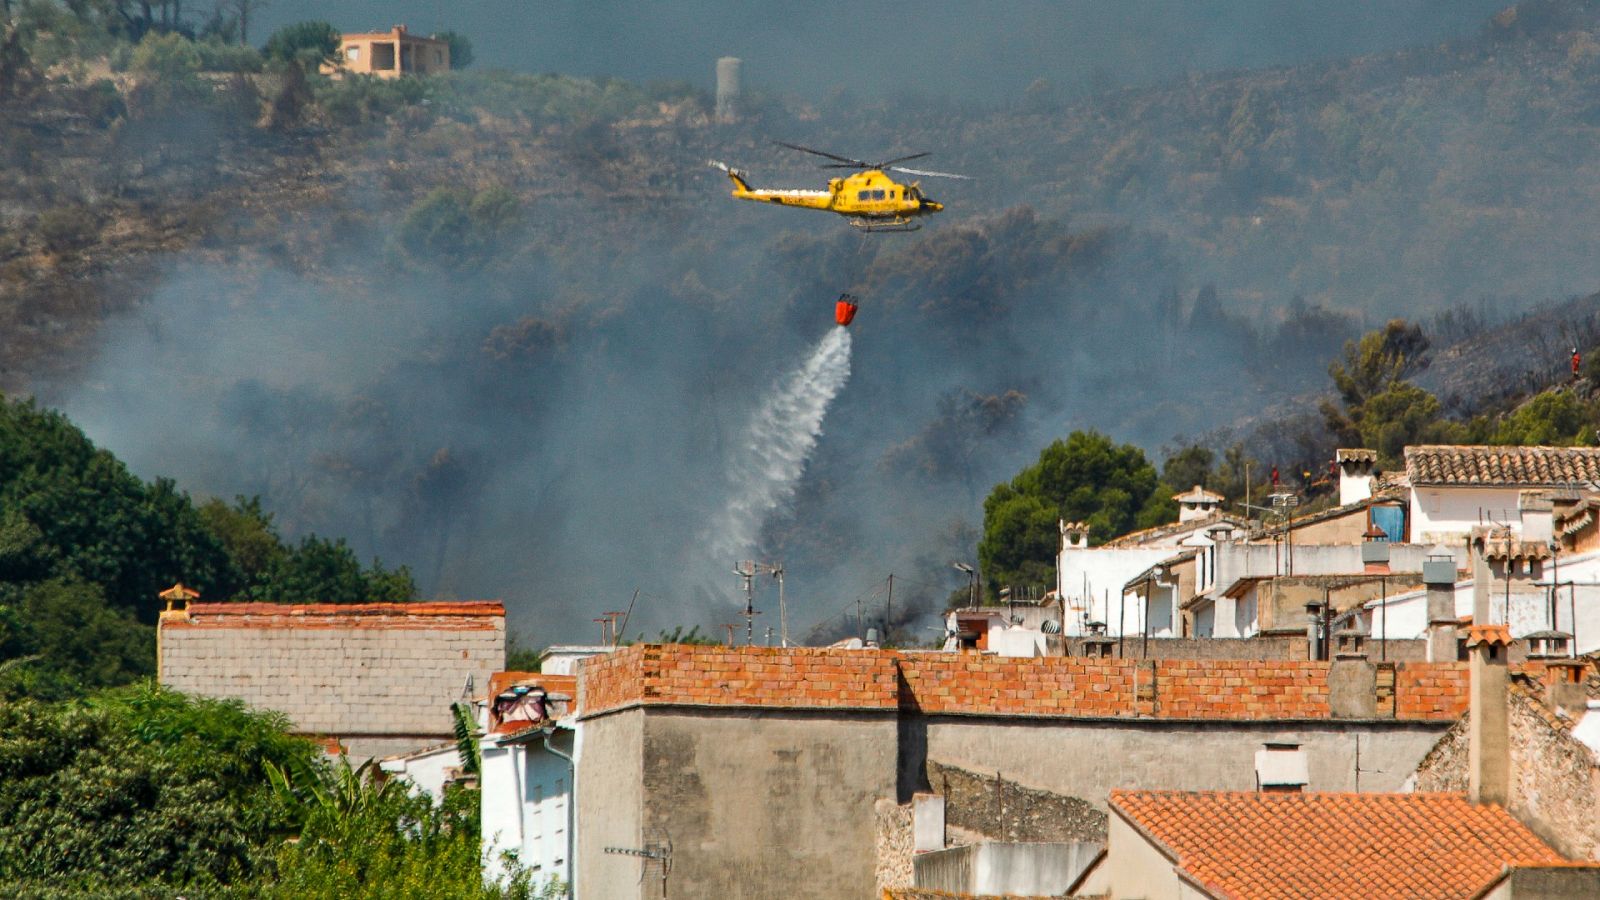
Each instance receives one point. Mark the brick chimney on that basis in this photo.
(1355, 474)
(1352, 678)
(1439, 580)
(1564, 687)
(1488, 723)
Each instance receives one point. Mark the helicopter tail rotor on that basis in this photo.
(738, 176)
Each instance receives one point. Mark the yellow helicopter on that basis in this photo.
(870, 199)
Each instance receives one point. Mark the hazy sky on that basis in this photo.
(962, 50)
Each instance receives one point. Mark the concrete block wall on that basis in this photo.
(370, 669)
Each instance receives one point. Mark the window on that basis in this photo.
(352, 53)
(877, 195)
(438, 57)
(863, 195)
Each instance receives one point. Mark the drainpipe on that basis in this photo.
(572, 808)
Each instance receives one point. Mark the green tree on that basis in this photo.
(460, 49)
(1370, 367)
(72, 512)
(307, 44)
(1554, 418)
(1188, 467)
(1085, 478)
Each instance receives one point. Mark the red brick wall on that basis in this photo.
(745, 676)
(970, 684)
(1430, 690)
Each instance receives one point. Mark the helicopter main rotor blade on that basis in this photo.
(899, 159)
(833, 156)
(927, 174)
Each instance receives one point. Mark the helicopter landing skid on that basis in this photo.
(891, 226)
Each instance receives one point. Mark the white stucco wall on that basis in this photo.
(1442, 513)
(1105, 570)
(425, 770)
(524, 807)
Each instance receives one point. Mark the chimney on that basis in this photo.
(1352, 679)
(1439, 579)
(1074, 535)
(1197, 503)
(1488, 728)
(1281, 769)
(927, 822)
(1355, 475)
(1564, 687)
(1538, 516)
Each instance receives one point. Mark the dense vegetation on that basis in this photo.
(85, 546)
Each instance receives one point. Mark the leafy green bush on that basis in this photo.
(453, 227)
(365, 838)
(139, 787)
(217, 56)
(166, 56)
(309, 44)
(359, 99)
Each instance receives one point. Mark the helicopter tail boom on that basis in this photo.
(735, 175)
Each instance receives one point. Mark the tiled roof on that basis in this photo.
(1356, 454)
(1502, 466)
(456, 615)
(1148, 535)
(1262, 846)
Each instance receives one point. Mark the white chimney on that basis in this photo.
(1074, 535)
(1197, 503)
(1538, 516)
(1355, 475)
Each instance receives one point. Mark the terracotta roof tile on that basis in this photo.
(1264, 846)
(1522, 466)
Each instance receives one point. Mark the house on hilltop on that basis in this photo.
(390, 54)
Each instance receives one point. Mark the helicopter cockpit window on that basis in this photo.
(863, 195)
(877, 195)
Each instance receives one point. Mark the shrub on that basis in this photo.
(66, 229)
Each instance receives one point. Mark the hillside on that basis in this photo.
(503, 328)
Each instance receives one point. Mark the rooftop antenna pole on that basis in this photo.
(629, 614)
(747, 570)
(888, 609)
(730, 626)
(611, 619)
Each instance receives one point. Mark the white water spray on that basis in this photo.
(773, 451)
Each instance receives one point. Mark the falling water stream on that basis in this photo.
(772, 453)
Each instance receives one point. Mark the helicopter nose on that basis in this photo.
(931, 206)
